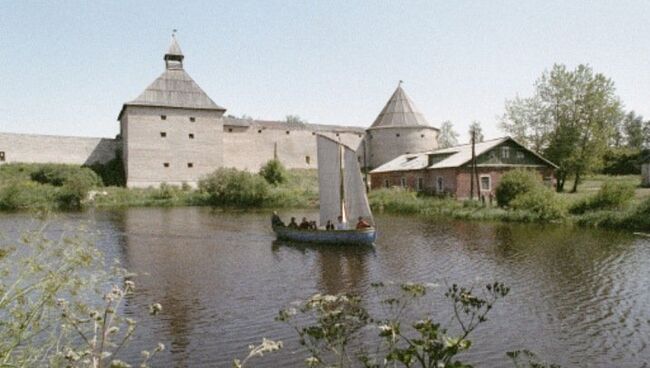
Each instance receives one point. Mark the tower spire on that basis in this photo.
(174, 56)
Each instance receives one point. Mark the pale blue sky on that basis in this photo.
(67, 67)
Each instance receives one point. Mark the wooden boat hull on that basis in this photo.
(350, 237)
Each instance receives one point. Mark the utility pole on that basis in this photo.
(473, 172)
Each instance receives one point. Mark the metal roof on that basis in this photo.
(458, 156)
(399, 112)
(283, 125)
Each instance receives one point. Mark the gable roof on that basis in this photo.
(399, 111)
(174, 87)
(452, 157)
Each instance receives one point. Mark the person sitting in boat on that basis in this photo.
(276, 220)
(312, 225)
(293, 224)
(362, 224)
(329, 225)
(340, 224)
(304, 224)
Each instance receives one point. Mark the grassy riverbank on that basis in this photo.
(55, 187)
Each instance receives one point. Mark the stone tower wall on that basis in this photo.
(387, 143)
(152, 159)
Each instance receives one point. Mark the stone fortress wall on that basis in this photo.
(35, 148)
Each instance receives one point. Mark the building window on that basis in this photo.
(420, 184)
(190, 165)
(359, 135)
(505, 152)
(229, 130)
(520, 155)
(386, 183)
(486, 183)
(163, 134)
(307, 159)
(287, 132)
(337, 134)
(163, 117)
(440, 184)
(313, 133)
(166, 164)
(402, 182)
(2, 155)
(191, 135)
(259, 130)
(192, 119)
(421, 135)
(397, 135)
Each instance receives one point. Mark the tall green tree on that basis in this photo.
(447, 137)
(633, 130)
(476, 130)
(572, 117)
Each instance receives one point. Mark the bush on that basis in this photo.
(27, 195)
(57, 175)
(274, 172)
(232, 187)
(111, 172)
(541, 201)
(610, 196)
(515, 183)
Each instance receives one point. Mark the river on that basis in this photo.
(579, 297)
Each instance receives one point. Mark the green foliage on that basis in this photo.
(231, 187)
(611, 196)
(514, 183)
(572, 117)
(57, 175)
(328, 324)
(52, 310)
(542, 202)
(111, 172)
(622, 161)
(19, 195)
(274, 172)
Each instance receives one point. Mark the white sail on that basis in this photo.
(354, 192)
(329, 179)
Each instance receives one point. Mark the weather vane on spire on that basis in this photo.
(174, 32)
(400, 82)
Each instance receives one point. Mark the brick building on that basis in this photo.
(448, 171)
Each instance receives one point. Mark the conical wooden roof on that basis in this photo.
(399, 112)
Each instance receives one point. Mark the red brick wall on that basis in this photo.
(464, 175)
(456, 180)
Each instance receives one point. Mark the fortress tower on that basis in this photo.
(400, 128)
(173, 132)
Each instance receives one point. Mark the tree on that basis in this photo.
(295, 119)
(633, 130)
(447, 137)
(528, 122)
(475, 128)
(572, 118)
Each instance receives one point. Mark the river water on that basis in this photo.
(579, 297)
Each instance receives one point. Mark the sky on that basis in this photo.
(67, 67)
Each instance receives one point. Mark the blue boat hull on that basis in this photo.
(353, 237)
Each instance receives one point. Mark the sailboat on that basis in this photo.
(342, 193)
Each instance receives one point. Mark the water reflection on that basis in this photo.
(340, 269)
(579, 296)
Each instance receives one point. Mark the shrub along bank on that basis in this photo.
(521, 196)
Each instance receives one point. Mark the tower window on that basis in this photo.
(191, 135)
(163, 117)
(359, 135)
(2, 155)
(287, 132)
(192, 119)
(313, 133)
(259, 131)
(307, 159)
(163, 134)
(190, 165)
(337, 134)
(421, 135)
(397, 135)
(229, 130)
(166, 164)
